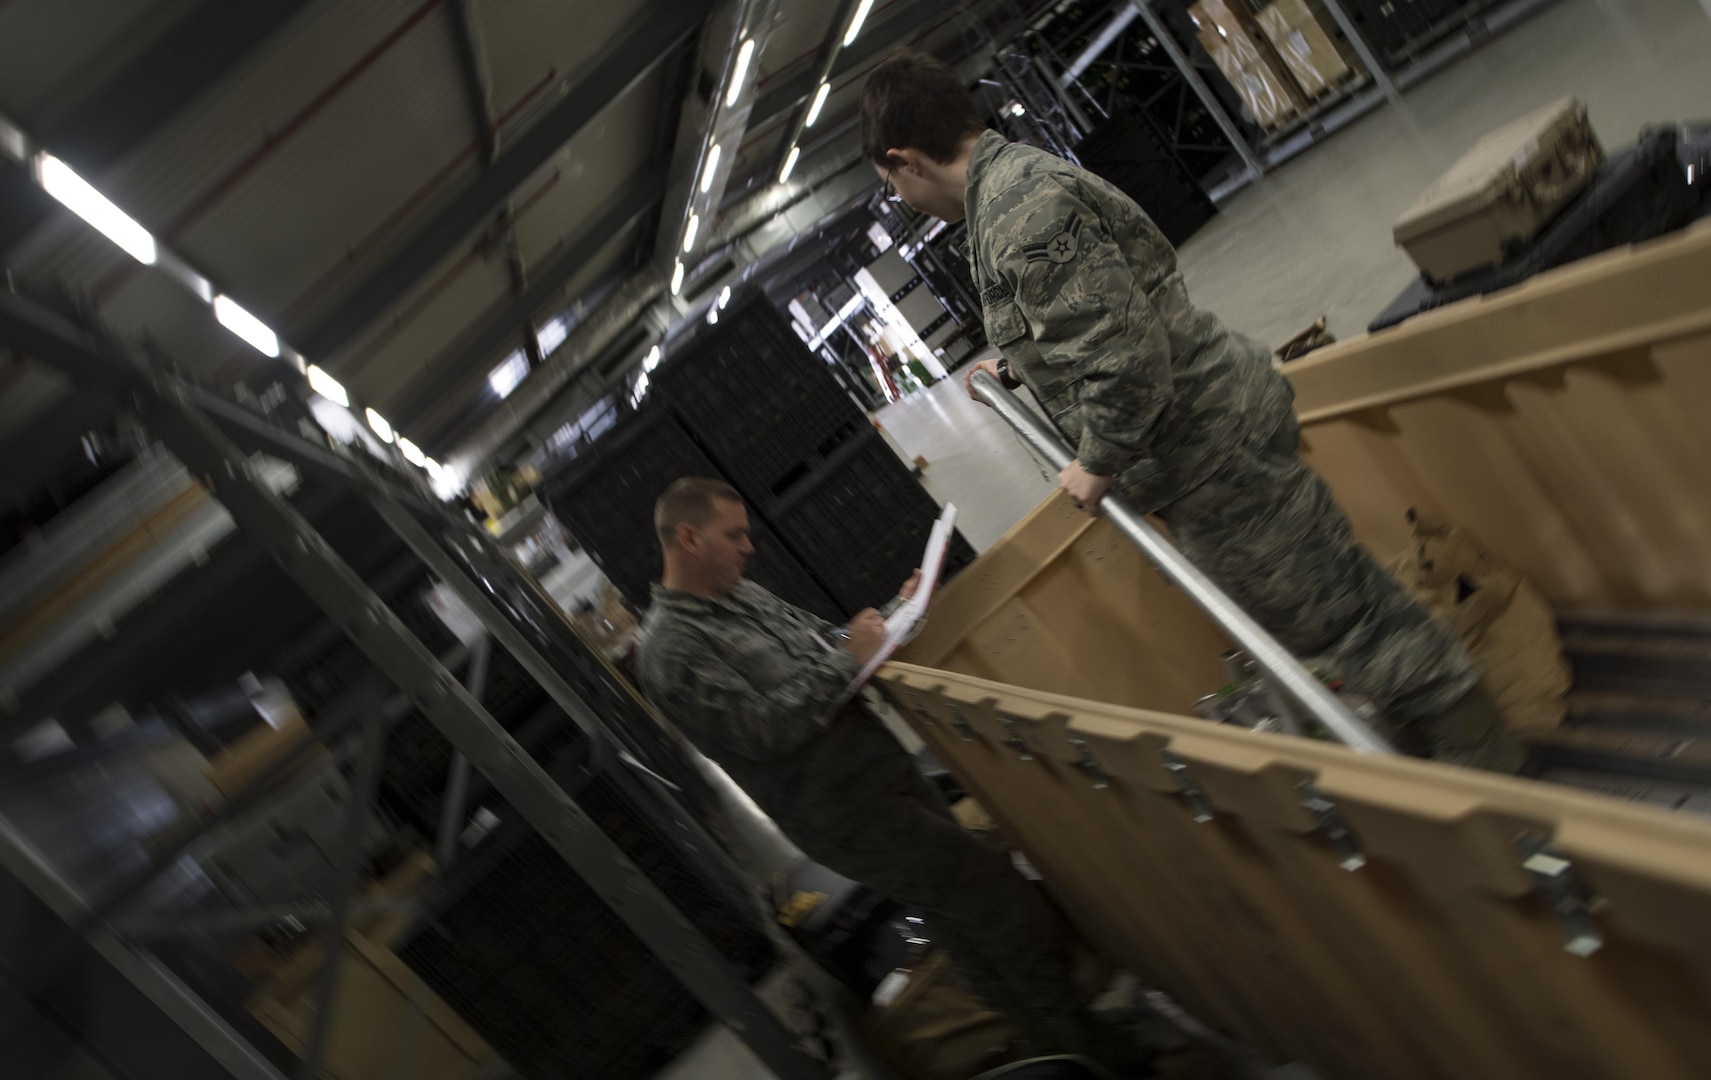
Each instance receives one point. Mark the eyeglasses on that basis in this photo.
(891, 189)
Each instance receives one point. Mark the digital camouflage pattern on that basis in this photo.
(1266, 529)
(1081, 294)
(751, 681)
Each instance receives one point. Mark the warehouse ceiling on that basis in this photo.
(412, 192)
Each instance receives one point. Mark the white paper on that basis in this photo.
(903, 622)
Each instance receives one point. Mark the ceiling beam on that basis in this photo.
(115, 118)
(465, 362)
(618, 68)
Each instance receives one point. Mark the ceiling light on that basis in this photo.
(379, 424)
(677, 278)
(411, 453)
(689, 232)
(651, 361)
(1017, 109)
(511, 371)
(712, 316)
(59, 181)
(855, 23)
(246, 326)
(819, 103)
(709, 169)
(327, 386)
(741, 72)
(789, 164)
(433, 467)
(724, 297)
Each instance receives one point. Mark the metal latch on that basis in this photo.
(1187, 787)
(1331, 826)
(1556, 882)
(1088, 764)
(1014, 738)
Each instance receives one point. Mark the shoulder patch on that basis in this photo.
(1061, 247)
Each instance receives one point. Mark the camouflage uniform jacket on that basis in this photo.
(1081, 293)
(752, 680)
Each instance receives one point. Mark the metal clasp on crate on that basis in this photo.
(1331, 826)
(1088, 764)
(1556, 882)
(1014, 738)
(1187, 787)
(959, 720)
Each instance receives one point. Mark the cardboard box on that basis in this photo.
(1247, 62)
(1310, 45)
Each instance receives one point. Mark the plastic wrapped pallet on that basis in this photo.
(1247, 62)
(1309, 44)
(1500, 193)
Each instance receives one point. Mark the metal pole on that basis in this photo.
(1198, 85)
(344, 877)
(1374, 66)
(1272, 658)
(456, 796)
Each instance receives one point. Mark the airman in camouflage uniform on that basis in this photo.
(755, 683)
(1169, 409)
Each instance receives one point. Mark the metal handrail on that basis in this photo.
(1291, 677)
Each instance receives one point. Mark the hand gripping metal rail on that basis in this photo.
(1289, 674)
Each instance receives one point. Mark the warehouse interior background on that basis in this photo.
(497, 271)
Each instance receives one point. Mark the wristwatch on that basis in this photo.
(1005, 379)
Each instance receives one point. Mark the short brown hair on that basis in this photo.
(689, 501)
(917, 102)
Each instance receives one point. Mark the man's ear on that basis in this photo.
(688, 539)
(903, 157)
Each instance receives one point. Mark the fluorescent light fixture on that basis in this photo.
(327, 386)
(709, 169)
(511, 371)
(724, 297)
(71, 189)
(412, 453)
(689, 232)
(433, 467)
(379, 424)
(855, 23)
(789, 164)
(652, 359)
(551, 334)
(677, 278)
(712, 316)
(641, 390)
(819, 103)
(1018, 109)
(245, 325)
(741, 71)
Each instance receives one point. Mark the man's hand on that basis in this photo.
(1084, 487)
(907, 592)
(867, 634)
(988, 366)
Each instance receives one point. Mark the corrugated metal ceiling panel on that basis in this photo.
(362, 158)
(54, 51)
(521, 39)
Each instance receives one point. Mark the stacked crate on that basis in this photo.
(838, 522)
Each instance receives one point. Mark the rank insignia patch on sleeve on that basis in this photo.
(1061, 247)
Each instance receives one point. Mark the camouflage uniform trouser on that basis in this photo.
(891, 830)
(1265, 528)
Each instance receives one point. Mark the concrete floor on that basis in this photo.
(1313, 238)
